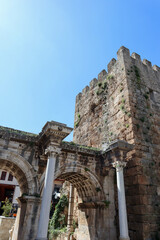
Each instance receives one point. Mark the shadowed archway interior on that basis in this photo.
(17, 173)
(83, 184)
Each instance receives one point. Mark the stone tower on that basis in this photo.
(125, 104)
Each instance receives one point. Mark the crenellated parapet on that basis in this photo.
(127, 84)
(123, 58)
(124, 53)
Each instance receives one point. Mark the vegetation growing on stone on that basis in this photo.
(11, 130)
(110, 77)
(98, 189)
(81, 146)
(101, 87)
(92, 107)
(122, 106)
(146, 96)
(89, 148)
(107, 203)
(104, 85)
(123, 100)
(142, 119)
(78, 121)
(58, 222)
(138, 79)
(75, 225)
(86, 169)
(121, 89)
(137, 125)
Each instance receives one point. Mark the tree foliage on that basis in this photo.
(6, 208)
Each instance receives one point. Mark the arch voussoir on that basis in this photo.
(86, 182)
(21, 170)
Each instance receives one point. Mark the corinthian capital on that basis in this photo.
(119, 165)
(52, 151)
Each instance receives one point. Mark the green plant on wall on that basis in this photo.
(107, 203)
(138, 79)
(110, 77)
(6, 207)
(75, 225)
(98, 189)
(78, 121)
(123, 100)
(101, 87)
(122, 107)
(58, 223)
(146, 96)
(56, 232)
(142, 119)
(86, 169)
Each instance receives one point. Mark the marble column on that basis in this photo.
(70, 208)
(52, 152)
(123, 224)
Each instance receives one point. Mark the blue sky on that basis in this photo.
(51, 49)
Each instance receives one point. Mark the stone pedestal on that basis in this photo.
(123, 224)
(27, 218)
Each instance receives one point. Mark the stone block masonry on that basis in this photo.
(125, 104)
(5, 225)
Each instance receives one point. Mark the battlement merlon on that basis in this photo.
(124, 53)
(123, 56)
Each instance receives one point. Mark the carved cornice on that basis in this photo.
(54, 132)
(121, 145)
(119, 165)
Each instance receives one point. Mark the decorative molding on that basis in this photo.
(52, 151)
(119, 165)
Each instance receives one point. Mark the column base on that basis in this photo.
(122, 238)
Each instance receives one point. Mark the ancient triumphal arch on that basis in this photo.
(36, 160)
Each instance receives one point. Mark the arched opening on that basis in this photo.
(26, 178)
(16, 172)
(84, 180)
(82, 183)
(87, 194)
(9, 190)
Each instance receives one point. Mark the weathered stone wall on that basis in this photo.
(142, 175)
(99, 112)
(17, 155)
(94, 206)
(22, 143)
(124, 104)
(98, 222)
(6, 224)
